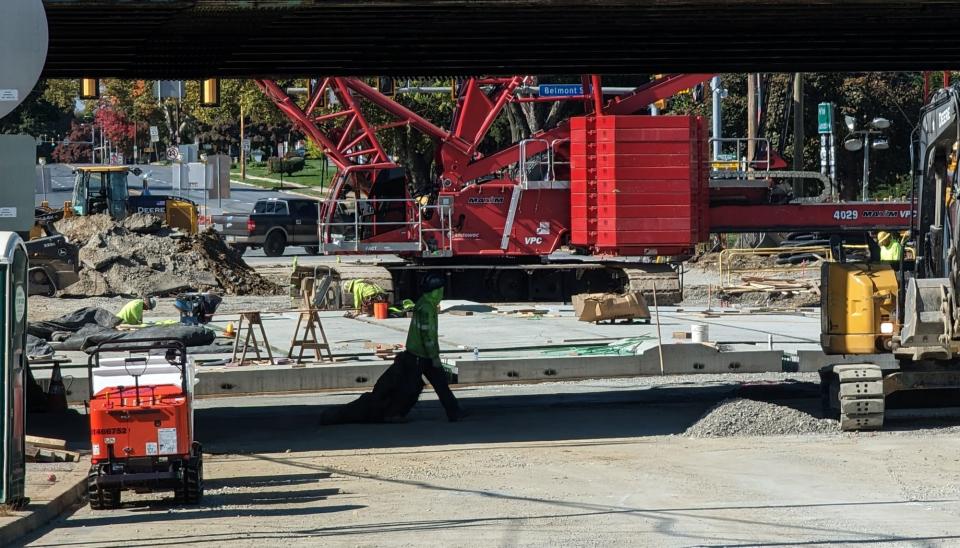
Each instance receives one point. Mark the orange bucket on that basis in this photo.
(381, 311)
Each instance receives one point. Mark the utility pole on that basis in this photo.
(243, 150)
(798, 136)
(751, 117)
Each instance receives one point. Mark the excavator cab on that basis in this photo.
(102, 189)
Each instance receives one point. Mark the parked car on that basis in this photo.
(274, 224)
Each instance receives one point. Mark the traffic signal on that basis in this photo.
(210, 93)
(89, 88)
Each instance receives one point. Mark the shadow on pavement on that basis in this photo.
(493, 419)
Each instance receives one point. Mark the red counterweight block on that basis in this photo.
(638, 184)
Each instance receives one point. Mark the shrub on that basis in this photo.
(287, 166)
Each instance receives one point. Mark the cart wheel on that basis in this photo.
(101, 499)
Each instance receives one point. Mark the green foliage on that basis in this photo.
(314, 151)
(287, 166)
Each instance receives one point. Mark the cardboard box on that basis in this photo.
(595, 307)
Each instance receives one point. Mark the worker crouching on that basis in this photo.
(365, 294)
(132, 312)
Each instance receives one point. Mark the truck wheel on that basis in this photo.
(239, 248)
(275, 244)
(312, 249)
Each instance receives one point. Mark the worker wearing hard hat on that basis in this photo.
(423, 343)
(365, 294)
(132, 312)
(891, 250)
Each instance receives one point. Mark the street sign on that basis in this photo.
(154, 134)
(246, 145)
(825, 118)
(173, 154)
(559, 90)
(166, 89)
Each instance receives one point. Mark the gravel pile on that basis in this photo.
(140, 256)
(741, 418)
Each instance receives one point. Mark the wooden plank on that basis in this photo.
(52, 443)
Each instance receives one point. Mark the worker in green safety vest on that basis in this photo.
(365, 294)
(891, 251)
(132, 312)
(423, 343)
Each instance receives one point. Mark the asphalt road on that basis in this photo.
(160, 181)
(591, 463)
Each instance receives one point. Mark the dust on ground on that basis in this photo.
(141, 256)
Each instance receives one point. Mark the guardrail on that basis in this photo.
(356, 225)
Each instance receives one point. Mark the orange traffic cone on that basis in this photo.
(228, 331)
(56, 392)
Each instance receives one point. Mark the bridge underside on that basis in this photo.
(286, 38)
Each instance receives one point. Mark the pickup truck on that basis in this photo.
(274, 224)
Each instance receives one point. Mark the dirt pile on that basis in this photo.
(740, 417)
(141, 256)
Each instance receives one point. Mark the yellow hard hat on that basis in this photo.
(883, 237)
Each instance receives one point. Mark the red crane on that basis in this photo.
(571, 208)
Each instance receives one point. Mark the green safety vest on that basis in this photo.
(363, 291)
(132, 312)
(891, 252)
(422, 337)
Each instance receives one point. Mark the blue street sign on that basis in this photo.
(560, 90)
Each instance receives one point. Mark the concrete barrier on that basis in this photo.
(259, 379)
(678, 359)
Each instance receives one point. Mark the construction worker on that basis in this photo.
(132, 312)
(891, 251)
(423, 343)
(365, 294)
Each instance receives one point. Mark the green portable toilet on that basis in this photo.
(13, 342)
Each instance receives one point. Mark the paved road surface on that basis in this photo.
(574, 464)
(160, 182)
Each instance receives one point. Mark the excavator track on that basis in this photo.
(645, 278)
(860, 391)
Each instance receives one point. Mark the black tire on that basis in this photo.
(239, 248)
(312, 249)
(101, 499)
(275, 244)
(191, 490)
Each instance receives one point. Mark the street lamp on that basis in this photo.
(865, 139)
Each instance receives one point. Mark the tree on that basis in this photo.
(76, 148)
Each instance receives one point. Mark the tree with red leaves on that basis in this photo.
(77, 149)
(116, 127)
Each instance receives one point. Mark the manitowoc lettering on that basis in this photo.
(485, 200)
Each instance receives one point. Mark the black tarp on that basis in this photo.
(393, 396)
(73, 322)
(87, 327)
(38, 348)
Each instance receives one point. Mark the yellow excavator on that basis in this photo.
(909, 308)
(97, 189)
(104, 189)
